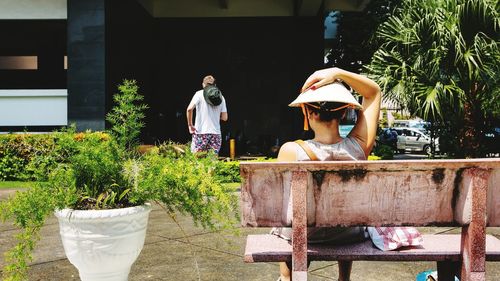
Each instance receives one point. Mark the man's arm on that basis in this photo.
(223, 116)
(189, 116)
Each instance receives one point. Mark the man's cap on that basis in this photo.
(335, 92)
(212, 95)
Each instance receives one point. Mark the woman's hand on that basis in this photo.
(321, 77)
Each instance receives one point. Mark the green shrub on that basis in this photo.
(184, 182)
(31, 157)
(11, 166)
(228, 171)
(19, 150)
(373, 158)
(96, 169)
(383, 151)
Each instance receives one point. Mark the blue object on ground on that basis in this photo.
(422, 276)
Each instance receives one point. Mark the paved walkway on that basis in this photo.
(169, 255)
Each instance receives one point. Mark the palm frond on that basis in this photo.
(432, 53)
(475, 16)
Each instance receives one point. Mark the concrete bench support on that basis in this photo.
(299, 257)
(473, 235)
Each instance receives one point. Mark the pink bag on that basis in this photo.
(391, 238)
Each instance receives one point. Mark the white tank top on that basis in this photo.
(347, 149)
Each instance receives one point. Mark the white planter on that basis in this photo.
(103, 244)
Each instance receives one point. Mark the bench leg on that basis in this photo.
(473, 254)
(473, 245)
(447, 270)
(299, 226)
(345, 270)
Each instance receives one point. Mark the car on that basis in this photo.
(412, 139)
(491, 142)
(415, 124)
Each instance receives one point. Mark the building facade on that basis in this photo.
(68, 56)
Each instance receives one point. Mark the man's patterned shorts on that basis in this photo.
(206, 142)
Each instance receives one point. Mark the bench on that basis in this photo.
(462, 193)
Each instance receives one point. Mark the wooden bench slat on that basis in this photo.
(442, 247)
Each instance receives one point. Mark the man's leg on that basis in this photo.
(285, 273)
(193, 143)
(199, 143)
(286, 270)
(214, 142)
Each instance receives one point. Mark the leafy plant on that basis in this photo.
(383, 122)
(383, 151)
(182, 182)
(97, 170)
(400, 116)
(29, 208)
(10, 166)
(19, 154)
(33, 156)
(228, 171)
(127, 115)
(373, 158)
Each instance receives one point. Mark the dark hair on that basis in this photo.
(324, 110)
(208, 77)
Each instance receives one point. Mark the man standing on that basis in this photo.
(210, 107)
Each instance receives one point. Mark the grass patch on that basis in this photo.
(16, 184)
(232, 184)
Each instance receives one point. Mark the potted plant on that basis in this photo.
(101, 191)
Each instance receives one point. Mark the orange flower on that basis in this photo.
(79, 136)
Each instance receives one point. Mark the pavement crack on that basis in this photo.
(203, 247)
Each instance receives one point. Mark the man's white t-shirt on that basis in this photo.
(207, 120)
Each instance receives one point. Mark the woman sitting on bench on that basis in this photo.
(324, 101)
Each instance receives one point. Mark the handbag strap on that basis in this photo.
(307, 150)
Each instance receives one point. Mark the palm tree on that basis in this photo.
(440, 60)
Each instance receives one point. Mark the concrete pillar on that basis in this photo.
(86, 64)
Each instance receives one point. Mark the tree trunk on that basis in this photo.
(470, 133)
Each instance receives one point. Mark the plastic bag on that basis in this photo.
(391, 238)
